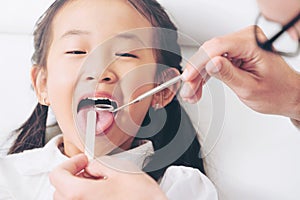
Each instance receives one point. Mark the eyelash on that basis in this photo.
(76, 52)
(126, 55)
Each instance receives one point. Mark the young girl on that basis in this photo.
(65, 35)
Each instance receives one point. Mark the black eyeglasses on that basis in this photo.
(268, 45)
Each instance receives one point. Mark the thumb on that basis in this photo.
(75, 164)
(108, 165)
(222, 69)
(68, 169)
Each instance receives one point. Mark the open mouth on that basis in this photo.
(104, 117)
(104, 104)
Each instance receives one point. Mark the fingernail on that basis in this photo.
(212, 68)
(185, 75)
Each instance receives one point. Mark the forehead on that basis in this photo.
(97, 18)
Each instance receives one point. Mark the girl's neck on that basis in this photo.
(69, 149)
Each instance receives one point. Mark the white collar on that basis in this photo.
(43, 160)
(139, 156)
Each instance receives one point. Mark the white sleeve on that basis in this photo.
(181, 182)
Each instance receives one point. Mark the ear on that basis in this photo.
(39, 83)
(163, 98)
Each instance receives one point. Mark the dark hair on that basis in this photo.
(32, 133)
(174, 139)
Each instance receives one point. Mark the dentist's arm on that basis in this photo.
(262, 80)
(69, 183)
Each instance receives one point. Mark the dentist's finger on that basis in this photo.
(195, 98)
(106, 166)
(192, 93)
(66, 170)
(224, 70)
(219, 46)
(97, 169)
(195, 65)
(190, 88)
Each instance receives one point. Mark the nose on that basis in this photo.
(108, 76)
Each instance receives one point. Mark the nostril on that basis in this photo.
(106, 79)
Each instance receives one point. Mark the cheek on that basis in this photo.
(131, 118)
(60, 85)
(137, 113)
(137, 82)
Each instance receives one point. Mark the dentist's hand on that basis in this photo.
(262, 80)
(100, 182)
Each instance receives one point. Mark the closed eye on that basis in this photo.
(76, 52)
(126, 55)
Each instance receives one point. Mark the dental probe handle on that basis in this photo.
(158, 88)
(151, 92)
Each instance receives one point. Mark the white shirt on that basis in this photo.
(25, 175)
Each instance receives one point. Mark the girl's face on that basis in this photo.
(78, 28)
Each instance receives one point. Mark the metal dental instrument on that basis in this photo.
(104, 107)
(143, 96)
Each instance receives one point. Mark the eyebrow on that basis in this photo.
(127, 36)
(130, 36)
(74, 32)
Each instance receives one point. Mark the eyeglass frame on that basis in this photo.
(267, 45)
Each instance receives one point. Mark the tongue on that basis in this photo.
(104, 120)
